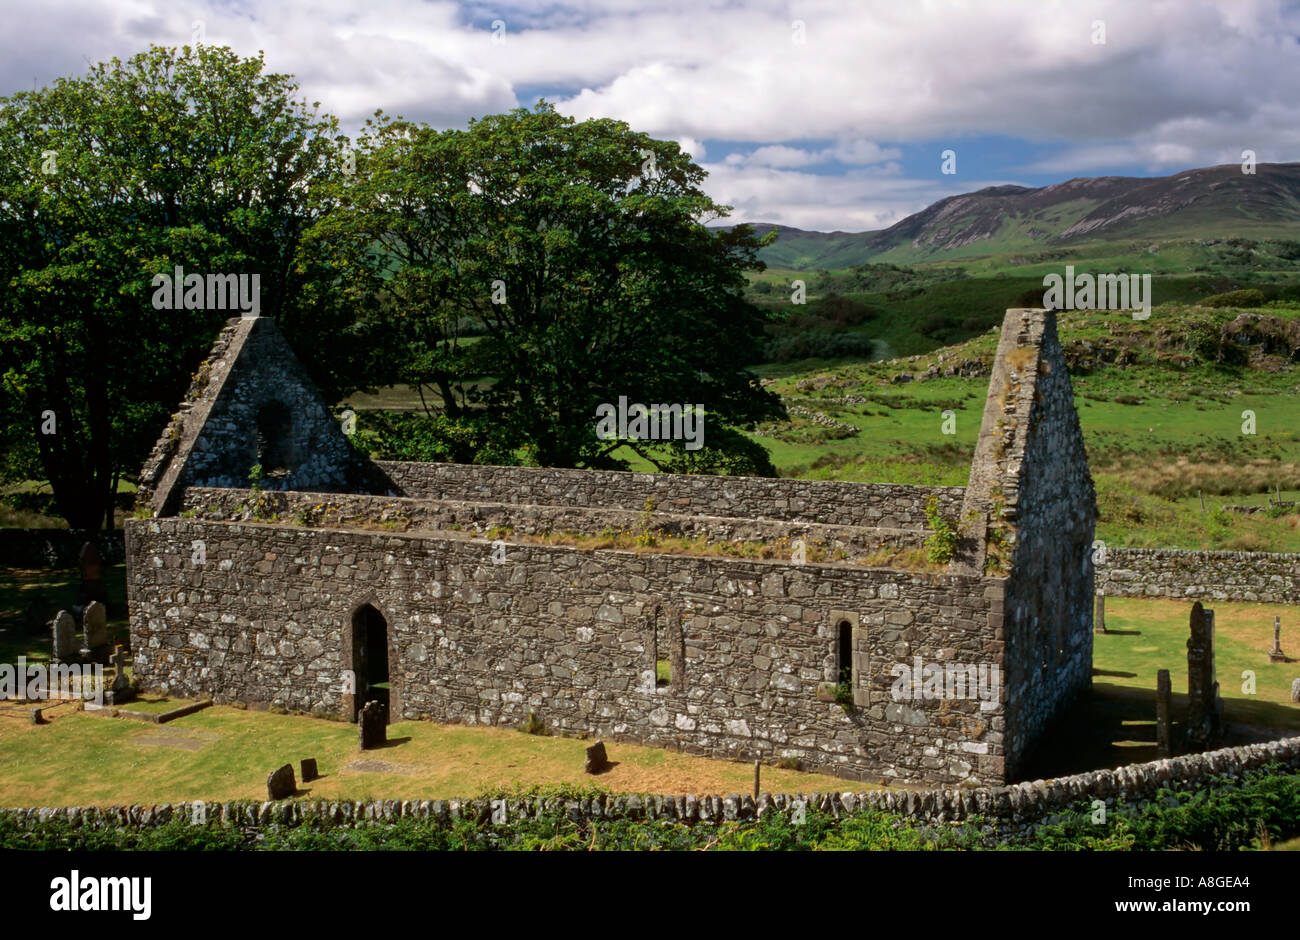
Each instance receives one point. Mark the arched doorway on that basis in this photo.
(369, 658)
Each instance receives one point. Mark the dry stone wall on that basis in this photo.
(1262, 577)
(1008, 812)
(574, 636)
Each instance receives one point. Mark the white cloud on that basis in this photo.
(1175, 85)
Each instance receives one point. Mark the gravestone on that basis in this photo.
(65, 637)
(597, 760)
(372, 725)
(280, 783)
(1204, 707)
(121, 691)
(309, 772)
(94, 620)
(1295, 690)
(92, 578)
(1099, 614)
(1164, 727)
(1275, 655)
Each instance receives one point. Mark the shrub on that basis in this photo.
(941, 544)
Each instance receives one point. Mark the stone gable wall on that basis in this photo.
(213, 439)
(1033, 495)
(573, 636)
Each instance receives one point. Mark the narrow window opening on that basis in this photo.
(844, 653)
(274, 429)
(663, 666)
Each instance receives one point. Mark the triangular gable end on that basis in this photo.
(251, 403)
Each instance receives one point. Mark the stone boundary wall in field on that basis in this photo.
(57, 548)
(402, 514)
(887, 505)
(1262, 577)
(1015, 809)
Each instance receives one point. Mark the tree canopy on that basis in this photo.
(192, 157)
(523, 272)
(532, 268)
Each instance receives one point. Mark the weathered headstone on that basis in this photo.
(35, 716)
(1275, 655)
(372, 725)
(1204, 707)
(1099, 614)
(1164, 727)
(597, 760)
(309, 772)
(280, 783)
(94, 620)
(65, 637)
(92, 578)
(1295, 690)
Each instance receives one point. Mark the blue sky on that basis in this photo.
(820, 115)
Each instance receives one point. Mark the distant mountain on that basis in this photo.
(1215, 202)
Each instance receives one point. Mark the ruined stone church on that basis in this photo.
(327, 580)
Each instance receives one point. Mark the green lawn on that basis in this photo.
(1117, 726)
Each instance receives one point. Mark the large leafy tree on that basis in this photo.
(532, 268)
(192, 157)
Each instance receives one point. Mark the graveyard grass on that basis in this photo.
(226, 753)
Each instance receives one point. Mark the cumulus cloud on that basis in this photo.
(1174, 84)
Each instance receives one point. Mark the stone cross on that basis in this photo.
(1099, 614)
(118, 660)
(65, 637)
(1164, 727)
(1275, 655)
(121, 692)
(92, 578)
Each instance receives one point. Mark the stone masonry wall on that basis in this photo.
(251, 402)
(574, 636)
(885, 505)
(409, 515)
(1032, 492)
(1262, 577)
